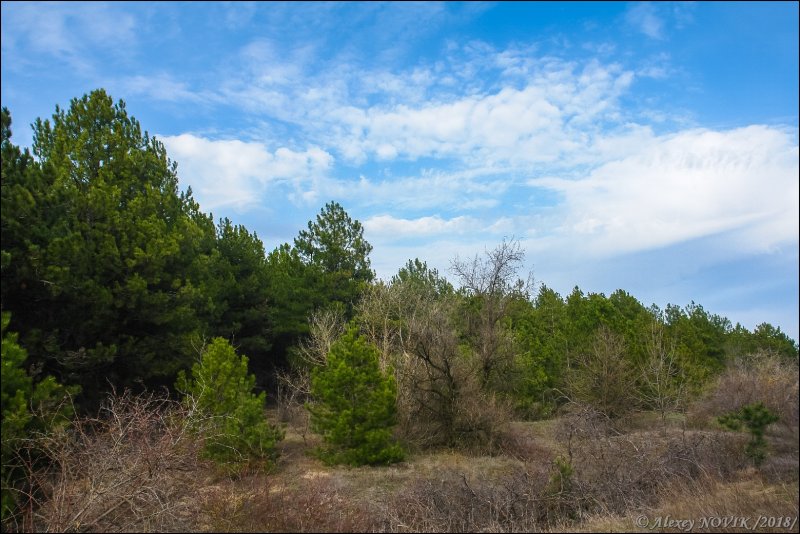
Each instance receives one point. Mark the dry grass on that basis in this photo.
(749, 497)
(149, 479)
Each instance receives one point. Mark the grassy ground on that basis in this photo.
(512, 491)
(567, 474)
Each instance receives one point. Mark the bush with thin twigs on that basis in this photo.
(760, 377)
(529, 499)
(516, 443)
(294, 384)
(128, 468)
(750, 498)
(615, 472)
(317, 505)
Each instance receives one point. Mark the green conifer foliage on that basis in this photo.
(221, 388)
(756, 417)
(355, 404)
(27, 406)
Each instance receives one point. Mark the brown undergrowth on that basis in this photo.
(136, 468)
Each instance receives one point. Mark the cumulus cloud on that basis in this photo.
(544, 121)
(621, 187)
(236, 173)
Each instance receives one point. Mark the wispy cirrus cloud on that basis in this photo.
(163, 87)
(685, 186)
(643, 17)
(69, 34)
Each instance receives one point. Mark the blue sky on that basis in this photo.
(651, 147)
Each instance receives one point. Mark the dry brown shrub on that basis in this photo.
(453, 502)
(761, 377)
(616, 472)
(316, 504)
(442, 394)
(516, 442)
(750, 498)
(129, 468)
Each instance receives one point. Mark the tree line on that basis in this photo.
(113, 278)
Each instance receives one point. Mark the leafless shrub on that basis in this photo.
(662, 383)
(294, 385)
(454, 502)
(315, 505)
(761, 377)
(126, 469)
(518, 444)
(750, 498)
(440, 396)
(615, 472)
(603, 377)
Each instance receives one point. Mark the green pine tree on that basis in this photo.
(220, 387)
(756, 417)
(355, 404)
(27, 407)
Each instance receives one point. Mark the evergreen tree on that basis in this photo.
(292, 289)
(26, 406)
(756, 417)
(540, 334)
(354, 406)
(328, 267)
(221, 387)
(335, 247)
(236, 286)
(102, 256)
(427, 279)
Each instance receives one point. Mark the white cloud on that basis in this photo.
(234, 173)
(696, 183)
(643, 17)
(388, 227)
(547, 120)
(430, 190)
(482, 106)
(70, 34)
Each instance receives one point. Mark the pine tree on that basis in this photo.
(756, 417)
(26, 407)
(355, 404)
(220, 387)
(335, 250)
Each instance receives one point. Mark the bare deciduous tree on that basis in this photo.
(440, 400)
(663, 386)
(603, 378)
(491, 285)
